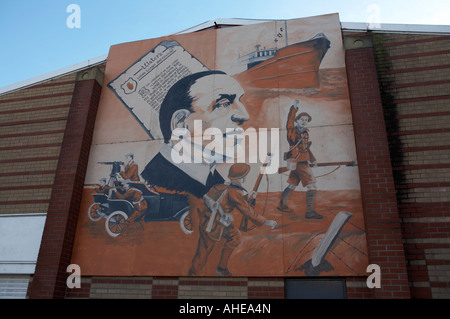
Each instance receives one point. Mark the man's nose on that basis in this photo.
(240, 114)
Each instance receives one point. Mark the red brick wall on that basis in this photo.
(357, 288)
(414, 75)
(32, 123)
(383, 226)
(49, 280)
(178, 288)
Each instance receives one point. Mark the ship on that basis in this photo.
(294, 66)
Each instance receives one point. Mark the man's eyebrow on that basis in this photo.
(229, 97)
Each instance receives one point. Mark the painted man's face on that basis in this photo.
(302, 122)
(217, 104)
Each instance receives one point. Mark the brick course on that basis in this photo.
(178, 288)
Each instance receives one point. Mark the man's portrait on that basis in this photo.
(213, 99)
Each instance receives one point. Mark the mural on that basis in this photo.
(225, 152)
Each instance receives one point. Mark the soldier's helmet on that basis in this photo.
(303, 114)
(238, 170)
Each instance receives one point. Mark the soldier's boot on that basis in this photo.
(282, 206)
(310, 212)
(222, 268)
(191, 272)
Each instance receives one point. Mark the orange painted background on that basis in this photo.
(161, 248)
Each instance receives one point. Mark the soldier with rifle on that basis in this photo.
(216, 219)
(130, 169)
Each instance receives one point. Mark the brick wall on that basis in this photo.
(414, 75)
(32, 123)
(49, 279)
(383, 225)
(178, 288)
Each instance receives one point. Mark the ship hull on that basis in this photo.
(293, 67)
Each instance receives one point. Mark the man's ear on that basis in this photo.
(179, 119)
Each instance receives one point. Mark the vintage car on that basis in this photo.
(160, 207)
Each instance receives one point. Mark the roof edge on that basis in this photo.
(395, 28)
(54, 74)
(222, 21)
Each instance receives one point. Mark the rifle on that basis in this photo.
(252, 196)
(351, 163)
(214, 207)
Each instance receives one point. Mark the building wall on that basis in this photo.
(383, 225)
(32, 127)
(379, 208)
(414, 75)
(178, 288)
(130, 103)
(49, 279)
(405, 153)
(32, 124)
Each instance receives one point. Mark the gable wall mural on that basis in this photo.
(225, 152)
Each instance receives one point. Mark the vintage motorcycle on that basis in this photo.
(160, 206)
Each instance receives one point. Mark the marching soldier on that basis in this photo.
(216, 219)
(299, 158)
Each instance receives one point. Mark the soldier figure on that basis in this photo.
(299, 158)
(130, 170)
(216, 226)
(103, 188)
(136, 197)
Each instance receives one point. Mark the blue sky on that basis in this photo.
(35, 38)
